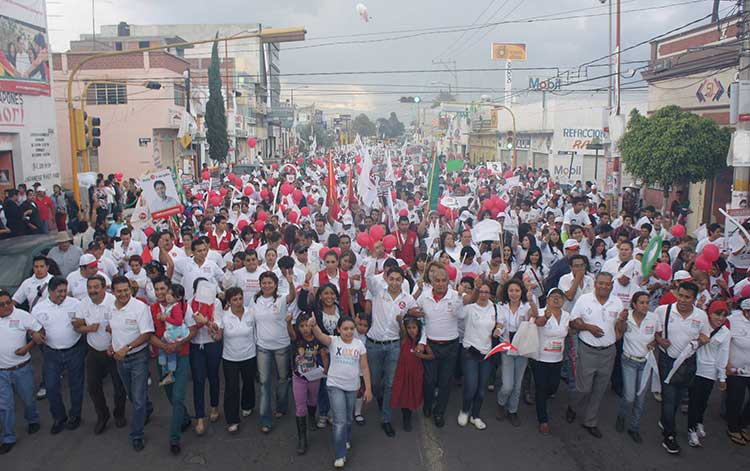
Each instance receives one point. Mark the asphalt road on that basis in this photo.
(500, 446)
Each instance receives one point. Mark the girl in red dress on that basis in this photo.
(407, 384)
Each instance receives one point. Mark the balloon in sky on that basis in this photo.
(362, 12)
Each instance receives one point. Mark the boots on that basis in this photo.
(301, 435)
(406, 414)
(311, 415)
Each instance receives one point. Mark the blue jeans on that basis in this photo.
(133, 370)
(631, 400)
(342, 406)
(205, 360)
(438, 373)
(176, 395)
(476, 373)
(513, 368)
(266, 361)
(20, 381)
(71, 360)
(383, 359)
(167, 361)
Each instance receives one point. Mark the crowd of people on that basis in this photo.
(291, 278)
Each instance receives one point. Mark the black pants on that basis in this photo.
(698, 395)
(98, 366)
(233, 398)
(546, 382)
(738, 412)
(439, 373)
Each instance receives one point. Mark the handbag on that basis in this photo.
(685, 374)
(526, 340)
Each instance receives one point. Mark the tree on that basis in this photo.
(322, 137)
(363, 126)
(390, 128)
(216, 118)
(673, 147)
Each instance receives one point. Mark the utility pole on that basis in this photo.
(741, 180)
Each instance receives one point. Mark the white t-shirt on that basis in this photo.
(636, 338)
(13, 330)
(130, 322)
(188, 271)
(566, 282)
(249, 282)
(552, 338)
(441, 317)
(479, 323)
(603, 316)
(712, 358)
(682, 330)
(384, 311)
(578, 219)
(239, 336)
(56, 320)
(270, 322)
(511, 320)
(98, 314)
(739, 348)
(32, 289)
(344, 371)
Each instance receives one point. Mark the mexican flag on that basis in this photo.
(433, 182)
(651, 256)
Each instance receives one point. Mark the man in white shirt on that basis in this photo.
(166, 241)
(64, 350)
(189, 269)
(577, 216)
(576, 283)
(88, 267)
(682, 326)
(125, 248)
(16, 373)
(132, 325)
(594, 317)
(248, 278)
(34, 288)
(274, 242)
(388, 307)
(92, 319)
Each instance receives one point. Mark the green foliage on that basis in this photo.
(673, 147)
(390, 128)
(216, 117)
(363, 126)
(322, 137)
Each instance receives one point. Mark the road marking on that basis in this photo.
(431, 450)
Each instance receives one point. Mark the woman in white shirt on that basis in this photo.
(238, 330)
(494, 269)
(637, 327)
(480, 325)
(347, 364)
(711, 364)
(268, 309)
(515, 308)
(270, 263)
(552, 325)
(738, 373)
(552, 247)
(533, 272)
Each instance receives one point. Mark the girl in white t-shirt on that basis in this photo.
(348, 360)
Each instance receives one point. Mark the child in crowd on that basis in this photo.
(176, 330)
(407, 384)
(306, 350)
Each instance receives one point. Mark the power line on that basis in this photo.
(457, 40)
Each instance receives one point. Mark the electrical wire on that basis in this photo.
(456, 41)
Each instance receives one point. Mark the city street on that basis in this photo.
(500, 446)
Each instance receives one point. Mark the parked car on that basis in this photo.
(17, 255)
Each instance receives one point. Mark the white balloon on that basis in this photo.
(362, 12)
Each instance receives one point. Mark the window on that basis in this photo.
(118, 46)
(143, 44)
(107, 94)
(179, 94)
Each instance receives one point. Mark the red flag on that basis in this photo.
(332, 200)
(146, 255)
(503, 347)
(350, 188)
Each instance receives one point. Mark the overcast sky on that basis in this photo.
(564, 43)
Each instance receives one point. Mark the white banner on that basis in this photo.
(566, 167)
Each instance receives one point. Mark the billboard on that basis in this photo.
(24, 47)
(160, 194)
(565, 167)
(508, 52)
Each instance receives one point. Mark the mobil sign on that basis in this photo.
(578, 138)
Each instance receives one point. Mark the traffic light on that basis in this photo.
(79, 129)
(410, 99)
(510, 140)
(93, 132)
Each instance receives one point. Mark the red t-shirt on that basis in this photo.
(160, 327)
(46, 207)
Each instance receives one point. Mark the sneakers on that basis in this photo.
(339, 463)
(670, 444)
(490, 387)
(247, 413)
(478, 423)
(348, 446)
(463, 418)
(693, 439)
(700, 430)
(322, 422)
(41, 394)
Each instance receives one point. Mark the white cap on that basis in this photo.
(41, 188)
(571, 244)
(559, 219)
(86, 259)
(745, 305)
(346, 219)
(682, 275)
(465, 215)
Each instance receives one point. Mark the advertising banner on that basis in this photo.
(160, 194)
(566, 167)
(24, 47)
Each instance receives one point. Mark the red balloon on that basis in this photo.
(286, 189)
(389, 242)
(264, 193)
(206, 175)
(403, 212)
(223, 191)
(364, 240)
(241, 224)
(274, 166)
(297, 195)
(262, 215)
(663, 271)
(678, 230)
(271, 181)
(231, 176)
(292, 216)
(702, 263)
(215, 201)
(252, 142)
(508, 174)
(310, 199)
(711, 252)
(299, 160)
(305, 211)
(452, 272)
(259, 225)
(358, 158)
(377, 232)
(745, 293)
(248, 190)
(342, 167)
